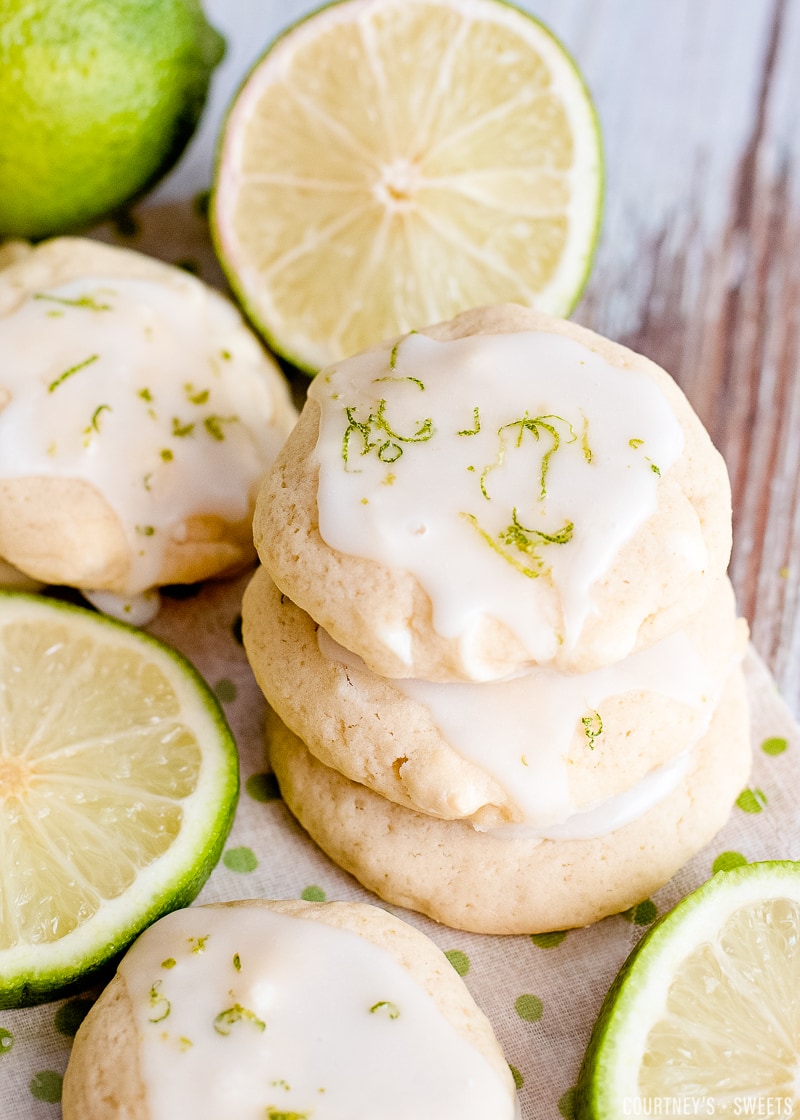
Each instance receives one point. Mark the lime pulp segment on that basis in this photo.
(118, 782)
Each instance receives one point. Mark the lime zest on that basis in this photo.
(476, 424)
(414, 381)
(81, 301)
(390, 1009)
(224, 1022)
(587, 451)
(213, 425)
(94, 422)
(71, 372)
(196, 396)
(536, 425)
(592, 727)
(160, 1005)
(525, 541)
(388, 450)
(181, 430)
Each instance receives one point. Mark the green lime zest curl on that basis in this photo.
(388, 450)
(386, 1005)
(225, 1021)
(51, 388)
(527, 542)
(159, 1004)
(538, 426)
(476, 424)
(82, 301)
(592, 727)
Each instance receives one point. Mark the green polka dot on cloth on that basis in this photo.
(642, 914)
(548, 940)
(70, 1016)
(225, 690)
(263, 787)
(6, 1040)
(726, 861)
(751, 800)
(566, 1104)
(313, 894)
(529, 1008)
(46, 1086)
(459, 961)
(240, 859)
(519, 1080)
(774, 746)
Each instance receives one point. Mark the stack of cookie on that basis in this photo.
(494, 626)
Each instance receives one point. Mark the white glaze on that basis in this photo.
(97, 375)
(348, 1033)
(519, 730)
(565, 439)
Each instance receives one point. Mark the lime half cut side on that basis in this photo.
(388, 164)
(704, 1018)
(118, 784)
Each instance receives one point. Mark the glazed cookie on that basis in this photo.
(507, 882)
(286, 1009)
(533, 749)
(502, 490)
(138, 415)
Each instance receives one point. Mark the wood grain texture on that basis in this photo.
(697, 266)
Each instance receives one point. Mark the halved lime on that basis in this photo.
(390, 163)
(118, 783)
(704, 1018)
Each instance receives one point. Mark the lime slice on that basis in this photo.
(390, 163)
(118, 783)
(703, 1018)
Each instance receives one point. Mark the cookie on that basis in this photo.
(534, 749)
(507, 882)
(502, 490)
(138, 415)
(281, 1009)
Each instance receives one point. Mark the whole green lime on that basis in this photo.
(98, 99)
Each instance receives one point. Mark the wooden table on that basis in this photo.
(696, 266)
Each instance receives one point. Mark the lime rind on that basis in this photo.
(46, 971)
(308, 355)
(638, 995)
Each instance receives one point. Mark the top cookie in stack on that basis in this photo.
(499, 491)
(494, 617)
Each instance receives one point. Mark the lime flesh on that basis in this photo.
(118, 784)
